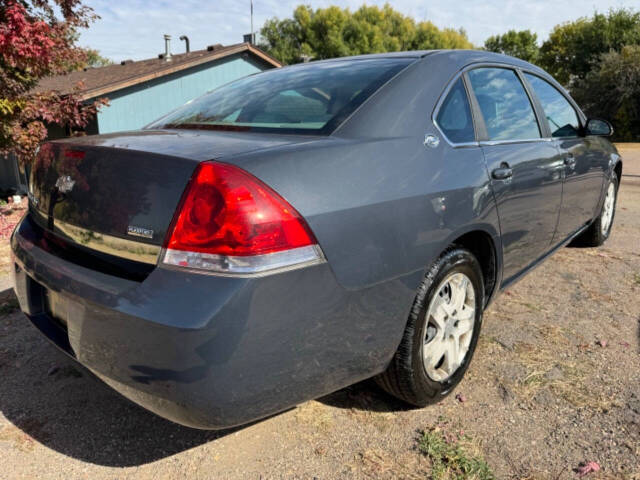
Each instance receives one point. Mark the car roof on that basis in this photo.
(462, 57)
(479, 56)
(416, 54)
(406, 54)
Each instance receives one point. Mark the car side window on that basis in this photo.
(504, 103)
(454, 117)
(561, 116)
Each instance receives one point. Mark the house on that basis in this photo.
(143, 91)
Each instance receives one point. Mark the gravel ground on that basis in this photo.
(555, 383)
(10, 214)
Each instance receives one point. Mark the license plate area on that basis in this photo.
(56, 307)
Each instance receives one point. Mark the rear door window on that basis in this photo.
(504, 103)
(561, 116)
(454, 117)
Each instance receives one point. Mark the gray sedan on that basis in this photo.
(302, 229)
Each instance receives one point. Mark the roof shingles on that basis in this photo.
(95, 82)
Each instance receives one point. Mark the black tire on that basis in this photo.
(406, 376)
(594, 236)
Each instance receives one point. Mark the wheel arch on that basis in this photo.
(485, 247)
(617, 169)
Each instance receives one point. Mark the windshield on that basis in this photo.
(309, 98)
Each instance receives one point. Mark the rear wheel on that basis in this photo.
(441, 333)
(599, 230)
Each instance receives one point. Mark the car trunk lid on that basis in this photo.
(116, 195)
(88, 193)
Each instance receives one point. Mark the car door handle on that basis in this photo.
(503, 172)
(570, 160)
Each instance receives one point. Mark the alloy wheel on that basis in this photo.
(608, 208)
(450, 320)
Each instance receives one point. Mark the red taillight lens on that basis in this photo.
(226, 211)
(79, 154)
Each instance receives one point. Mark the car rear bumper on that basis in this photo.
(208, 351)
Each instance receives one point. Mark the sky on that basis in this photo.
(134, 29)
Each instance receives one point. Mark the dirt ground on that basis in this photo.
(555, 383)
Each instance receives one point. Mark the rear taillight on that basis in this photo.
(230, 222)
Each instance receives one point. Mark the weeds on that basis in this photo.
(315, 414)
(451, 458)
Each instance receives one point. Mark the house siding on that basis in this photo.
(134, 107)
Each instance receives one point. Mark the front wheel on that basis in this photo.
(599, 230)
(441, 332)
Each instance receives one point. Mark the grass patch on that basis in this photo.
(535, 379)
(453, 458)
(570, 384)
(532, 306)
(316, 415)
(636, 278)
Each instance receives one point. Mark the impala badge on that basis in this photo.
(65, 183)
(139, 231)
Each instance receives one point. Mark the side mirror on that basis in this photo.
(597, 126)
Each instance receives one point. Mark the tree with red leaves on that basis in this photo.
(37, 39)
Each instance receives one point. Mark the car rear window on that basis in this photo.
(309, 98)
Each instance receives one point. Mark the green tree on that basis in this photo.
(572, 48)
(612, 90)
(521, 44)
(335, 32)
(95, 60)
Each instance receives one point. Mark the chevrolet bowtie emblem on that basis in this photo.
(65, 183)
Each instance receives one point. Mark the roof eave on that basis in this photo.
(129, 82)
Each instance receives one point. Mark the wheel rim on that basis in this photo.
(450, 319)
(607, 208)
